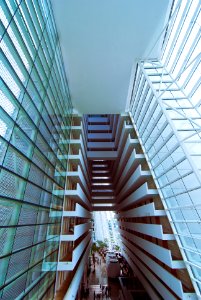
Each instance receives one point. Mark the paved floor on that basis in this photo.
(99, 283)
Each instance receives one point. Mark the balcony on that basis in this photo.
(78, 231)
(76, 254)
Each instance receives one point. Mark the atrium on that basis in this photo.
(100, 116)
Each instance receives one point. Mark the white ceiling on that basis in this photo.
(100, 41)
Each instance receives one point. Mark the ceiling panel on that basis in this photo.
(101, 41)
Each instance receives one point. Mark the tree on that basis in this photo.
(116, 247)
(101, 244)
(94, 248)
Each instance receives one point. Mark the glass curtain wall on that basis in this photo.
(35, 117)
(166, 110)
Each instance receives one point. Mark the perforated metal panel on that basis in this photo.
(21, 142)
(23, 237)
(18, 262)
(16, 162)
(11, 185)
(36, 175)
(32, 193)
(32, 109)
(14, 289)
(28, 215)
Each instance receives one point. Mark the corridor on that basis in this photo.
(100, 287)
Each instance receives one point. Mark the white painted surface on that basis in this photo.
(101, 40)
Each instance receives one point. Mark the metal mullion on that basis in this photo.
(196, 62)
(18, 208)
(45, 89)
(51, 284)
(14, 75)
(21, 202)
(42, 38)
(180, 112)
(168, 154)
(26, 180)
(55, 89)
(29, 24)
(142, 97)
(173, 181)
(177, 33)
(149, 116)
(186, 117)
(185, 39)
(46, 95)
(63, 75)
(32, 15)
(44, 8)
(40, 13)
(163, 144)
(42, 276)
(41, 22)
(138, 76)
(52, 38)
(31, 46)
(16, 124)
(7, 141)
(24, 88)
(59, 78)
(189, 249)
(36, 90)
(195, 133)
(56, 95)
(30, 78)
(48, 85)
(155, 125)
(46, 50)
(62, 79)
(186, 221)
(195, 87)
(145, 108)
(137, 92)
(51, 14)
(11, 16)
(34, 239)
(28, 247)
(17, 58)
(48, 44)
(169, 168)
(190, 235)
(23, 25)
(169, 30)
(26, 225)
(30, 161)
(161, 103)
(58, 89)
(24, 272)
(194, 44)
(148, 134)
(161, 80)
(189, 206)
(42, 67)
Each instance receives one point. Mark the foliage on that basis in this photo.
(116, 247)
(102, 244)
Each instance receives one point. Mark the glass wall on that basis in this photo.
(35, 117)
(167, 115)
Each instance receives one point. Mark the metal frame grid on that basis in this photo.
(35, 107)
(166, 109)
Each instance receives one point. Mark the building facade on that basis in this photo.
(58, 166)
(35, 117)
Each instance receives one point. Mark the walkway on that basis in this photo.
(99, 283)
